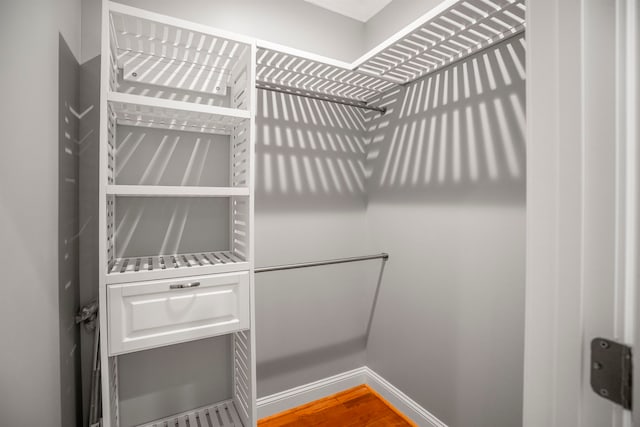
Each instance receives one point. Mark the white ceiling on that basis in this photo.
(362, 10)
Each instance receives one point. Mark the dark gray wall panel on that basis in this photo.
(68, 228)
(88, 142)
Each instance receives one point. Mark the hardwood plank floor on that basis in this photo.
(356, 407)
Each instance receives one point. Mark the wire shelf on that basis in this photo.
(121, 270)
(446, 34)
(222, 414)
(463, 28)
(286, 69)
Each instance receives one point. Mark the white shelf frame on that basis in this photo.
(156, 50)
(239, 124)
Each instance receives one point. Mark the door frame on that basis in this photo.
(632, 132)
(557, 317)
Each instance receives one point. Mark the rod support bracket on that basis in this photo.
(87, 315)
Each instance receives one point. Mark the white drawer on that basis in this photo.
(150, 314)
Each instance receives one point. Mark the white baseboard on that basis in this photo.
(402, 402)
(275, 403)
(297, 396)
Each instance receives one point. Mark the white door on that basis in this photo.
(582, 203)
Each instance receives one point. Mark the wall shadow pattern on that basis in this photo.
(310, 205)
(310, 153)
(457, 135)
(446, 167)
(147, 156)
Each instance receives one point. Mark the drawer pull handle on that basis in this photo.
(185, 285)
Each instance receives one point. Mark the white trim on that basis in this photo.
(633, 133)
(278, 402)
(403, 403)
(631, 168)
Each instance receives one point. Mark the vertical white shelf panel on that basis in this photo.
(166, 76)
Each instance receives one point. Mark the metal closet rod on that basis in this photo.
(384, 256)
(342, 101)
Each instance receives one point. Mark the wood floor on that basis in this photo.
(359, 406)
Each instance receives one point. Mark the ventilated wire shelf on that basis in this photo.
(449, 33)
(163, 262)
(165, 266)
(222, 414)
(280, 69)
(458, 31)
(137, 110)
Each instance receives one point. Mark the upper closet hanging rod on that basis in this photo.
(342, 101)
(384, 256)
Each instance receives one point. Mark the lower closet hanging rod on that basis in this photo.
(341, 101)
(384, 256)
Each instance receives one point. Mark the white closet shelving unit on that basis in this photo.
(172, 90)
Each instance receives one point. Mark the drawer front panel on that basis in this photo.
(150, 314)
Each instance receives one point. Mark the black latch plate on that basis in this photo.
(611, 371)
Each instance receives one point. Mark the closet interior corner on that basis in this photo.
(181, 160)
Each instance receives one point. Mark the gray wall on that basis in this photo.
(310, 205)
(29, 318)
(447, 201)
